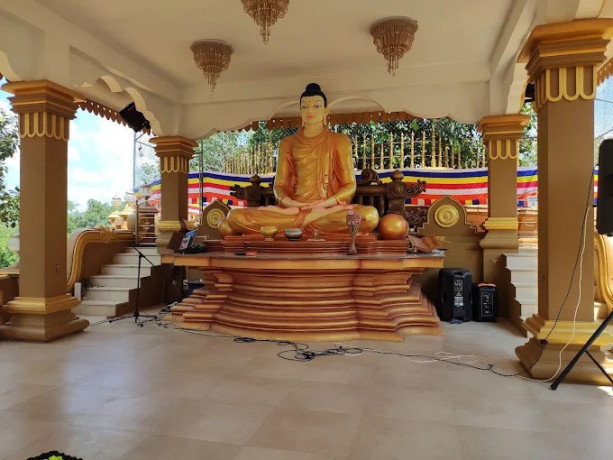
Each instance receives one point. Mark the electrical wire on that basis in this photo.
(579, 258)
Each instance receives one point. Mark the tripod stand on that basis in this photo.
(585, 349)
(137, 314)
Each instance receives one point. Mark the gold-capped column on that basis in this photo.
(42, 312)
(563, 61)
(501, 134)
(174, 153)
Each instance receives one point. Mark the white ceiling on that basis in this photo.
(463, 60)
(314, 34)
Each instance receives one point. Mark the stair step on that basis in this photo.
(522, 263)
(126, 270)
(124, 281)
(117, 294)
(523, 267)
(524, 277)
(146, 250)
(102, 308)
(131, 258)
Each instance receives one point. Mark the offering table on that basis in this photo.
(311, 295)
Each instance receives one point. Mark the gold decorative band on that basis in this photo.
(43, 124)
(41, 305)
(501, 223)
(174, 164)
(548, 80)
(502, 149)
(605, 71)
(564, 331)
(169, 226)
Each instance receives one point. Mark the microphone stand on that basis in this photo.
(137, 314)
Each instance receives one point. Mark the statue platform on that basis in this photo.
(308, 290)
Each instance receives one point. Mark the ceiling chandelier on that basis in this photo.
(265, 13)
(393, 37)
(213, 57)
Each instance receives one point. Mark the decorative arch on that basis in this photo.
(6, 69)
(115, 86)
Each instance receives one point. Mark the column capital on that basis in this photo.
(562, 58)
(42, 96)
(503, 126)
(174, 153)
(174, 146)
(44, 108)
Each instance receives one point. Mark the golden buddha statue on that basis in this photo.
(315, 182)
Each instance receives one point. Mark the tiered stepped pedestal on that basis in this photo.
(113, 292)
(275, 292)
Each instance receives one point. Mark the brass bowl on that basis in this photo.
(269, 232)
(293, 234)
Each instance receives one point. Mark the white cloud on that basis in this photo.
(4, 105)
(73, 154)
(99, 158)
(100, 165)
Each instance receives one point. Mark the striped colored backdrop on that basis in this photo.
(468, 186)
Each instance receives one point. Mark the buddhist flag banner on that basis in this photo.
(468, 186)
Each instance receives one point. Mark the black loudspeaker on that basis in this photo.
(455, 286)
(604, 211)
(530, 93)
(133, 118)
(484, 302)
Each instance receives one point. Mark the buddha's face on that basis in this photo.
(313, 110)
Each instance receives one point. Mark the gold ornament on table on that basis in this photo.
(212, 57)
(353, 224)
(265, 13)
(269, 232)
(393, 227)
(393, 37)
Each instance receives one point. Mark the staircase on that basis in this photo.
(523, 268)
(113, 292)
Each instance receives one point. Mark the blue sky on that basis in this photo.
(99, 158)
(603, 110)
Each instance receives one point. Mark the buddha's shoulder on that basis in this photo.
(287, 141)
(340, 139)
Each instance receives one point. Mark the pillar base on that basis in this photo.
(42, 319)
(500, 238)
(585, 371)
(165, 231)
(162, 241)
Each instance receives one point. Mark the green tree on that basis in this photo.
(527, 145)
(95, 214)
(7, 257)
(464, 138)
(216, 148)
(147, 173)
(9, 141)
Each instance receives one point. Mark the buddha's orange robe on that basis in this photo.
(309, 169)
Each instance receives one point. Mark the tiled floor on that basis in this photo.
(121, 391)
